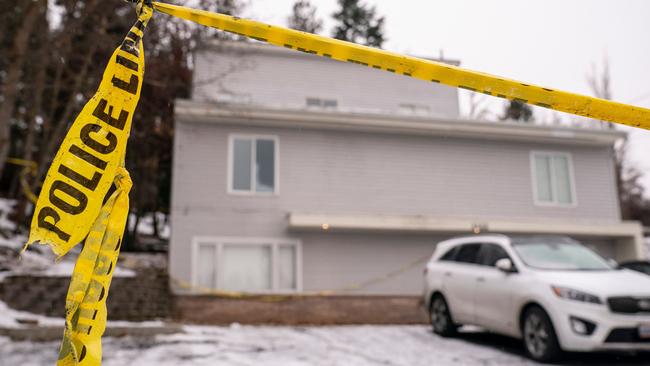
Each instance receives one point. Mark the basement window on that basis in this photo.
(247, 265)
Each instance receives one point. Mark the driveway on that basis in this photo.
(289, 346)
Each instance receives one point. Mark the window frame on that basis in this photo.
(321, 103)
(572, 180)
(231, 164)
(221, 241)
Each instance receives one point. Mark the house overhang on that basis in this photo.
(258, 116)
(321, 222)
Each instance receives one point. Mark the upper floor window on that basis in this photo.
(553, 179)
(414, 109)
(322, 103)
(253, 164)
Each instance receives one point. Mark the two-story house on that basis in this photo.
(295, 174)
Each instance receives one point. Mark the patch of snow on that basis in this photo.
(9, 318)
(15, 242)
(65, 269)
(6, 208)
(146, 225)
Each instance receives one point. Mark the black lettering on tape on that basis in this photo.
(88, 157)
(136, 38)
(86, 138)
(121, 60)
(58, 202)
(43, 223)
(140, 25)
(90, 184)
(83, 351)
(100, 112)
(129, 47)
(130, 87)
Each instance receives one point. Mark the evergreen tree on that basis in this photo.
(359, 23)
(518, 111)
(304, 17)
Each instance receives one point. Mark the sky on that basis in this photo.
(552, 43)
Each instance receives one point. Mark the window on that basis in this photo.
(253, 164)
(553, 178)
(414, 109)
(247, 265)
(450, 255)
(322, 103)
(490, 254)
(468, 253)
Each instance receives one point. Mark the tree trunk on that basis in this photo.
(14, 71)
(34, 113)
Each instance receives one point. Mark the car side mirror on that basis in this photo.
(505, 265)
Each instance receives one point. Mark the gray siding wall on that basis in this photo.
(347, 172)
(284, 79)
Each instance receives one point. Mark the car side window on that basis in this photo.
(450, 255)
(490, 254)
(468, 253)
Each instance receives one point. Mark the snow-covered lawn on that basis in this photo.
(291, 346)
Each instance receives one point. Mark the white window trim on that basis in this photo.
(253, 192)
(220, 241)
(572, 180)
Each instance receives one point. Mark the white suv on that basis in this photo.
(552, 292)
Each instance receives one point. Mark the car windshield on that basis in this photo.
(563, 254)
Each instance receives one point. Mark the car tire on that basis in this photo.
(440, 317)
(540, 340)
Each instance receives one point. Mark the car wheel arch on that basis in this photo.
(524, 309)
(527, 306)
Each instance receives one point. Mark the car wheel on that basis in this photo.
(440, 317)
(539, 336)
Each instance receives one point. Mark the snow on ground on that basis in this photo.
(281, 346)
(6, 207)
(297, 346)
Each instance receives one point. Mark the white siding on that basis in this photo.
(284, 79)
(350, 172)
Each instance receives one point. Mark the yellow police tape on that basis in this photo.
(29, 168)
(85, 304)
(84, 168)
(69, 208)
(418, 68)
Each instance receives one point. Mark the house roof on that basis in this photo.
(254, 46)
(253, 115)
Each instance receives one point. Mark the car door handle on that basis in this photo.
(447, 274)
(481, 279)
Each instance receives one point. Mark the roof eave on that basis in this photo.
(248, 115)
